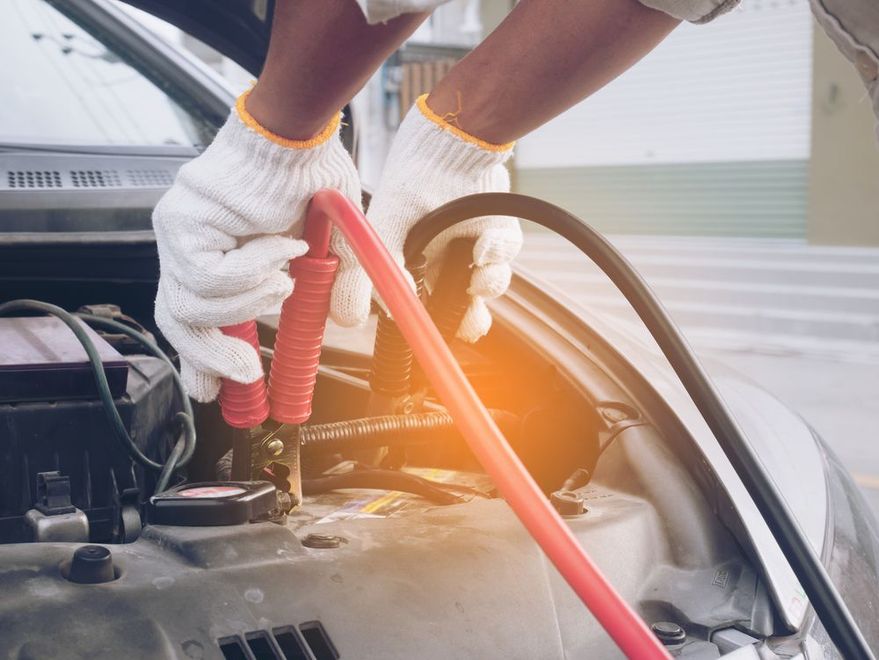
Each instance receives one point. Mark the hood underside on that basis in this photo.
(239, 29)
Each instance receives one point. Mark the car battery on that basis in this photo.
(53, 421)
(42, 360)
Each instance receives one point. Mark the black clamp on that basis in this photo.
(53, 494)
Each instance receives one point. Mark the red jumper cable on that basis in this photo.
(287, 399)
(329, 207)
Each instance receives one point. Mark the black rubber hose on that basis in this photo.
(392, 358)
(387, 431)
(171, 465)
(828, 604)
(449, 299)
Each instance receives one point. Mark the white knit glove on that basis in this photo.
(226, 230)
(429, 164)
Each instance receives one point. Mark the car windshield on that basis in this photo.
(64, 87)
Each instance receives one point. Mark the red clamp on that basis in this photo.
(244, 405)
(301, 326)
(297, 345)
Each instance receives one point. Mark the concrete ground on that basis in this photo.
(840, 399)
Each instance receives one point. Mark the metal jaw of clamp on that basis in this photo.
(287, 397)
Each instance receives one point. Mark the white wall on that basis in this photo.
(737, 89)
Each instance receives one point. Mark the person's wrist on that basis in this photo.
(295, 128)
(451, 118)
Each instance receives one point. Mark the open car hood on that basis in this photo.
(239, 29)
(783, 441)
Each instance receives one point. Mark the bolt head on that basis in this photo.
(274, 447)
(323, 541)
(669, 633)
(615, 411)
(568, 503)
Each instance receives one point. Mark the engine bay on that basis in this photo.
(366, 527)
(400, 543)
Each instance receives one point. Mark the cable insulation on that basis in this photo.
(186, 417)
(97, 367)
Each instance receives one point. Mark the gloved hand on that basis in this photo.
(226, 229)
(430, 163)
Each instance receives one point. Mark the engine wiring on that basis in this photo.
(378, 479)
(805, 563)
(387, 431)
(186, 418)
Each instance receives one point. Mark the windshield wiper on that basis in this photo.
(163, 150)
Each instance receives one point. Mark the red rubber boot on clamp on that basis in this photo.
(244, 405)
(300, 334)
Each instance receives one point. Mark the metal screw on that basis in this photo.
(669, 633)
(274, 447)
(323, 541)
(614, 412)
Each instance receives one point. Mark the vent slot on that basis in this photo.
(260, 644)
(318, 641)
(309, 642)
(232, 648)
(33, 179)
(290, 643)
(95, 178)
(150, 178)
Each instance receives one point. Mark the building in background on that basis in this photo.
(450, 32)
(736, 128)
(708, 135)
(751, 126)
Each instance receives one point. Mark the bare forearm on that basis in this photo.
(320, 55)
(545, 57)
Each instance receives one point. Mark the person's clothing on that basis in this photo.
(225, 231)
(380, 11)
(692, 11)
(853, 25)
(432, 162)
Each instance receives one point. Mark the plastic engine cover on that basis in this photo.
(74, 437)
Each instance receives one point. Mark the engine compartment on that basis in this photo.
(60, 462)
(399, 542)
(376, 572)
